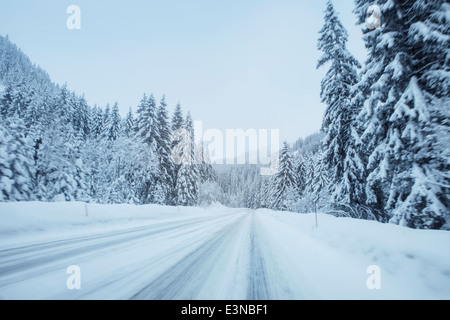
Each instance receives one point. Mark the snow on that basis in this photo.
(415, 264)
(157, 252)
(21, 221)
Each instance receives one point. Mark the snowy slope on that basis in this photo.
(154, 252)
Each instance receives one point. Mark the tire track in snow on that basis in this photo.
(185, 279)
(257, 286)
(38, 255)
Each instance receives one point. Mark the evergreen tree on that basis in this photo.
(96, 122)
(177, 124)
(285, 180)
(404, 75)
(336, 91)
(55, 171)
(320, 181)
(147, 122)
(80, 117)
(177, 118)
(113, 126)
(34, 112)
(351, 190)
(188, 175)
(128, 125)
(16, 182)
(187, 188)
(189, 126)
(301, 173)
(165, 153)
(106, 122)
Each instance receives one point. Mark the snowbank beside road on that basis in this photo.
(35, 220)
(414, 264)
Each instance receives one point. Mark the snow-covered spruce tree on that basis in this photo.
(75, 156)
(350, 192)
(265, 192)
(336, 88)
(80, 116)
(188, 174)
(187, 189)
(16, 99)
(65, 106)
(320, 180)
(96, 122)
(165, 153)
(147, 123)
(301, 173)
(147, 129)
(311, 161)
(128, 124)
(56, 172)
(16, 183)
(113, 125)
(285, 180)
(203, 161)
(403, 74)
(429, 37)
(424, 200)
(34, 112)
(189, 126)
(106, 122)
(177, 122)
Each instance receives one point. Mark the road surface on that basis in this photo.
(225, 256)
(153, 252)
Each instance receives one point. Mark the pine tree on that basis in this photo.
(285, 180)
(351, 190)
(16, 182)
(7, 101)
(80, 117)
(165, 153)
(96, 122)
(187, 188)
(177, 124)
(310, 163)
(177, 118)
(429, 38)
(16, 99)
(301, 173)
(128, 125)
(113, 126)
(65, 105)
(203, 162)
(336, 91)
(106, 120)
(55, 170)
(397, 119)
(188, 176)
(75, 156)
(320, 181)
(189, 126)
(147, 122)
(34, 112)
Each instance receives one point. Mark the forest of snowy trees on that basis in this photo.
(383, 152)
(54, 147)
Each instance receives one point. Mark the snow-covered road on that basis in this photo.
(231, 254)
(223, 256)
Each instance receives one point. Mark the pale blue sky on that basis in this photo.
(232, 63)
